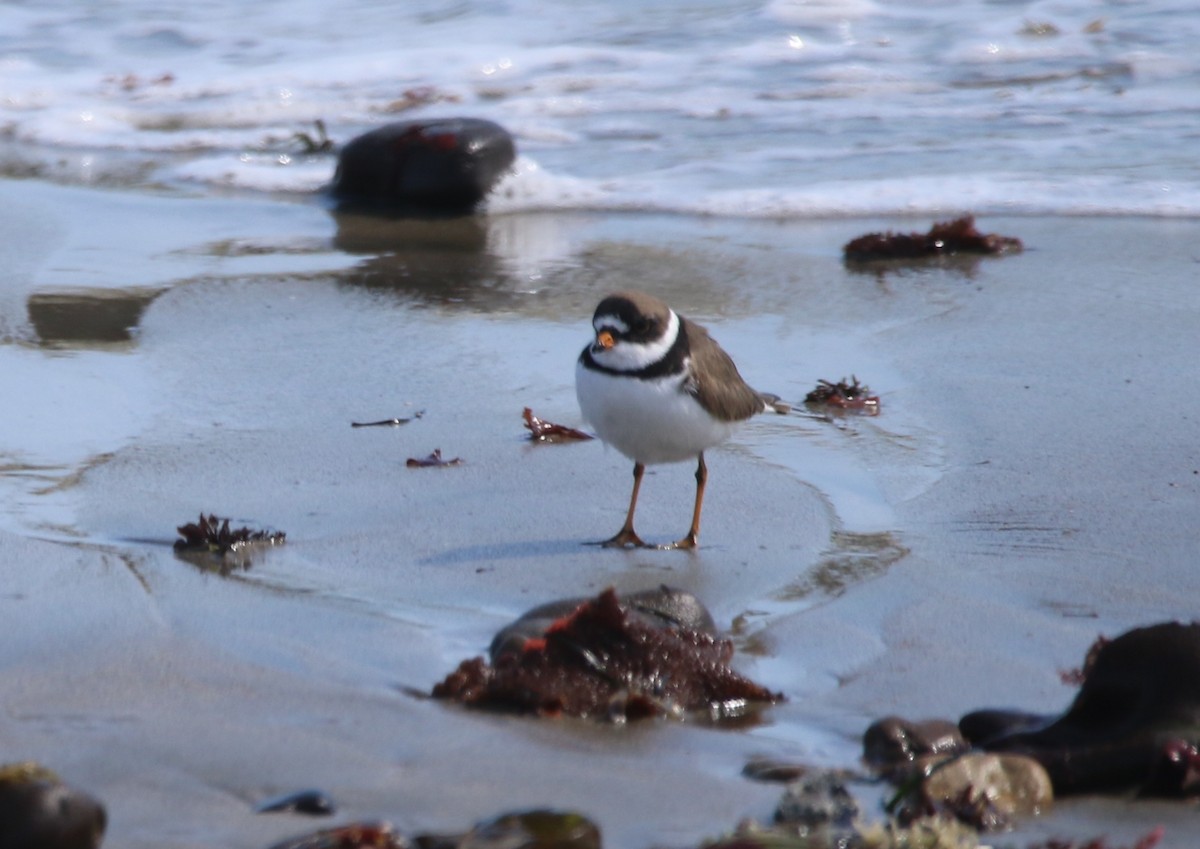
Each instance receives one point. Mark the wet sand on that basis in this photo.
(1032, 482)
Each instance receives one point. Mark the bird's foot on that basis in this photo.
(688, 543)
(625, 538)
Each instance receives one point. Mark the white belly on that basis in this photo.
(648, 421)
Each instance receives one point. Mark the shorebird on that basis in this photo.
(659, 389)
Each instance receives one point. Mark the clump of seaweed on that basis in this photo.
(944, 238)
(316, 142)
(212, 534)
(852, 396)
(541, 430)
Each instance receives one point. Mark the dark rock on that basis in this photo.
(983, 726)
(436, 167)
(1133, 724)
(987, 791)
(894, 741)
(537, 829)
(37, 811)
(1176, 771)
(606, 660)
(662, 607)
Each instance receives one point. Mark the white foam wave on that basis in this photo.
(807, 12)
(260, 172)
(833, 107)
(532, 189)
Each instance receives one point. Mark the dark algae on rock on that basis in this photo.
(602, 662)
(660, 607)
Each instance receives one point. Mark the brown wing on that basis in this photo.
(715, 380)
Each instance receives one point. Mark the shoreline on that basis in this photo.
(1014, 467)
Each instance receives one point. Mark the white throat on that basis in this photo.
(630, 356)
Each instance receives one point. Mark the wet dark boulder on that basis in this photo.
(607, 659)
(1133, 725)
(984, 790)
(1135, 722)
(938, 776)
(423, 168)
(989, 724)
(38, 811)
(661, 607)
(894, 744)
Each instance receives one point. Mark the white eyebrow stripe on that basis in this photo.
(610, 321)
(628, 357)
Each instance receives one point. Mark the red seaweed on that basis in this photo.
(852, 396)
(943, 239)
(213, 534)
(541, 430)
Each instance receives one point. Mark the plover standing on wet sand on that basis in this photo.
(657, 388)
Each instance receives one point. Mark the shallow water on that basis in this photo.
(763, 109)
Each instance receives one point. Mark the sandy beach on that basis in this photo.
(1033, 481)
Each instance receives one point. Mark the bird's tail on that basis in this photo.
(774, 403)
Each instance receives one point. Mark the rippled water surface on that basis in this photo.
(760, 109)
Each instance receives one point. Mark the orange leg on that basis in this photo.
(627, 536)
(693, 533)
